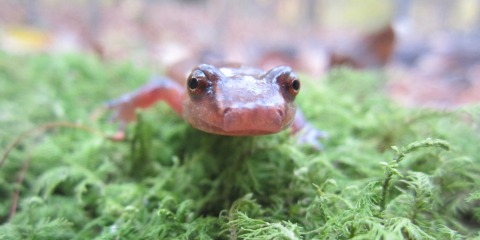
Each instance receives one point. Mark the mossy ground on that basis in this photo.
(170, 181)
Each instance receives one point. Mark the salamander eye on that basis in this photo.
(293, 86)
(192, 83)
(197, 83)
(286, 80)
(296, 85)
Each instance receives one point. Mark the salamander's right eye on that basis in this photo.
(197, 83)
(192, 83)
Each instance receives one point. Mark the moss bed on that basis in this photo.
(170, 181)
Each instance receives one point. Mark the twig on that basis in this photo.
(24, 169)
(47, 126)
(16, 195)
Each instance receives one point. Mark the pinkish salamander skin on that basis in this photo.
(240, 101)
(228, 100)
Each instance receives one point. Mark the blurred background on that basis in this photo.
(429, 50)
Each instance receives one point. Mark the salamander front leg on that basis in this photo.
(306, 132)
(124, 107)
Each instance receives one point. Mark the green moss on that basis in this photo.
(170, 181)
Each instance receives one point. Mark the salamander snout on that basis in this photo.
(249, 121)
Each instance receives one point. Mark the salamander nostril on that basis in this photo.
(226, 111)
(280, 113)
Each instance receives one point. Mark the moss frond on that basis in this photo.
(255, 229)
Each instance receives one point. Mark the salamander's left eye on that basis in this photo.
(296, 85)
(286, 80)
(292, 85)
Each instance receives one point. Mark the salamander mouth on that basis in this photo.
(229, 110)
(244, 122)
(210, 128)
(252, 121)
